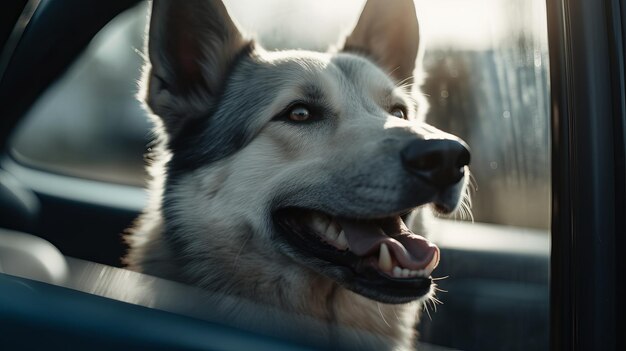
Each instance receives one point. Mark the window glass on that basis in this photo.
(89, 124)
(487, 81)
(485, 77)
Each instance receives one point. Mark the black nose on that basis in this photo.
(440, 162)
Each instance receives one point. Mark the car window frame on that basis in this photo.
(586, 45)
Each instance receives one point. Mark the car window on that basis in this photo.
(489, 84)
(89, 124)
(485, 77)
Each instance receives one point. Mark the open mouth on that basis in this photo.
(378, 258)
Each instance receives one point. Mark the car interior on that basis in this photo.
(508, 284)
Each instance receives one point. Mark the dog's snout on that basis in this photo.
(440, 162)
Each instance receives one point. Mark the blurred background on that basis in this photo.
(485, 70)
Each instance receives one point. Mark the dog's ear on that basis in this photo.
(388, 33)
(191, 46)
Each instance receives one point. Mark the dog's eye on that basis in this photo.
(398, 111)
(299, 114)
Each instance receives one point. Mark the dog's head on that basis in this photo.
(311, 161)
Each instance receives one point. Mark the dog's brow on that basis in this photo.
(313, 93)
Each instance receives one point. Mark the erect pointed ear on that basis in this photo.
(388, 33)
(191, 46)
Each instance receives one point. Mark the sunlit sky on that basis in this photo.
(464, 24)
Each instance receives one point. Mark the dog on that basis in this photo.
(291, 178)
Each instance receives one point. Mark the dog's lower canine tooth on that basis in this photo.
(384, 259)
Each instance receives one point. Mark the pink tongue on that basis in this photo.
(410, 250)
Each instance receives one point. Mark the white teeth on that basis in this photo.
(319, 224)
(397, 272)
(332, 231)
(384, 258)
(342, 242)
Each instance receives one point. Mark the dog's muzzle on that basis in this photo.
(377, 255)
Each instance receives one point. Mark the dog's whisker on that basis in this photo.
(436, 300)
(467, 199)
(460, 214)
(468, 193)
(441, 278)
(404, 81)
(427, 311)
(407, 88)
(466, 214)
(391, 72)
(468, 206)
(432, 304)
(462, 211)
(473, 182)
(395, 313)
(382, 315)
